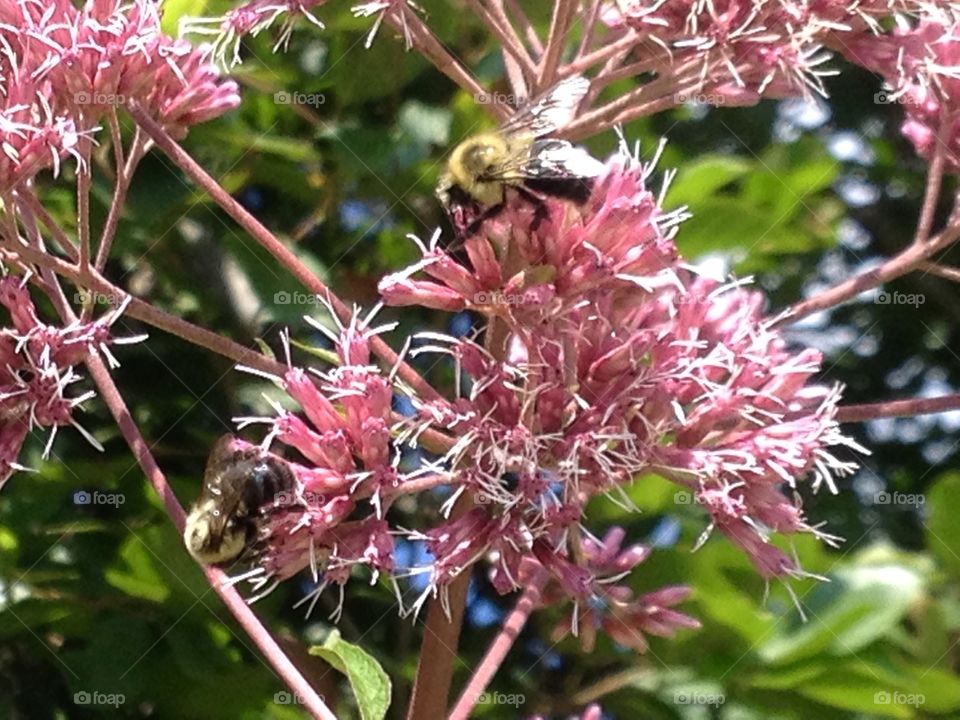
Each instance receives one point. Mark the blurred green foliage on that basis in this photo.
(102, 598)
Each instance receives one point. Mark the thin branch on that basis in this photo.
(29, 200)
(500, 26)
(944, 271)
(600, 55)
(529, 32)
(430, 46)
(269, 241)
(899, 408)
(500, 646)
(589, 28)
(441, 636)
(908, 260)
(934, 179)
(125, 170)
(556, 42)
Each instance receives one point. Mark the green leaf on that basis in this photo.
(371, 685)
(857, 689)
(943, 530)
(858, 605)
(173, 10)
(704, 177)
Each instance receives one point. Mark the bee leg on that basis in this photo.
(474, 227)
(540, 210)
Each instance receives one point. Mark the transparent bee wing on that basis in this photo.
(551, 111)
(547, 160)
(557, 159)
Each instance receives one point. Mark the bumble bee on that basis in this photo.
(519, 155)
(223, 524)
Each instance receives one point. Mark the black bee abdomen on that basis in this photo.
(575, 189)
(268, 477)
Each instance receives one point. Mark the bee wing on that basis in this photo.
(558, 159)
(549, 112)
(220, 456)
(547, 160)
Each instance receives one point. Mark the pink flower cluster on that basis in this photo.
(37, 363)
(732, 52)
(343, 442)
(63, 67)
(606, 359)
(921, 65)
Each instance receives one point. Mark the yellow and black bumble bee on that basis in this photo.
(238, 484)
(519, 155)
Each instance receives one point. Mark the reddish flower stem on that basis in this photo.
(269, 241)
(556, 42)
(899, 408)
(430, 46)
(513, 47)
(500, 646)
(125, 170)
(441, 636)
(910, 259)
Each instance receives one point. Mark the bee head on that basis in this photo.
(212, 539)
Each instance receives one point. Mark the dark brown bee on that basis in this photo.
(223, 524)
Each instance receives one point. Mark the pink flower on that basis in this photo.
(64, 67)
(252, 18)
(921, 66)
(38, 369)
